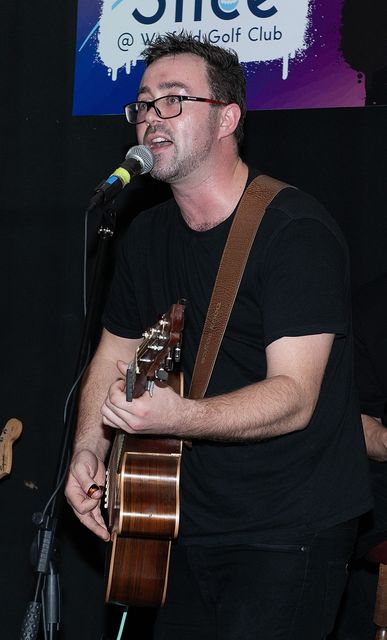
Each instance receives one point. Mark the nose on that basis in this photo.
(151, 114)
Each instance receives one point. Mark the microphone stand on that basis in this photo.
(46, 596)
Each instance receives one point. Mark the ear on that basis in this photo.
(231, 114)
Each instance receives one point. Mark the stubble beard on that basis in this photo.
(178, 168)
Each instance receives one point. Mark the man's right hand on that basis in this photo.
(87, 470)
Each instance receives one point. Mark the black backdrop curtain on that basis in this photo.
(51, 163)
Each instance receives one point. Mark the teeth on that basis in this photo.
(159, 140)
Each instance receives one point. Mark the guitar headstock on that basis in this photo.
(156, 355)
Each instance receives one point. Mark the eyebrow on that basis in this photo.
(173, 84)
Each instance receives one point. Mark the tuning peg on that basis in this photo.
(162, 375)
(177, 353)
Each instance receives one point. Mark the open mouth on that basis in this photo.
(158, 142)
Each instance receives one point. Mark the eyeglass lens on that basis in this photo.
(166, 107)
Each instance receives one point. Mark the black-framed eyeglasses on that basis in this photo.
(165, 107)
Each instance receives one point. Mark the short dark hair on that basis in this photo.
(225, 74)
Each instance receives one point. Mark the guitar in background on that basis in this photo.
(9, 434)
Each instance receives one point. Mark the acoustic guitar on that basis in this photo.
(142, 487)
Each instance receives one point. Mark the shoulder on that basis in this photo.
(147, 228)
(296, 204)
(295, 208)
(298, 228)
(157, 216)
(152, 223)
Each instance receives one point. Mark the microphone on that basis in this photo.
(138, 160)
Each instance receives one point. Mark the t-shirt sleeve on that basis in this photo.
(306, 285)
(121, 315)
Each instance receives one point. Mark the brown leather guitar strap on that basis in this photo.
(249, 214)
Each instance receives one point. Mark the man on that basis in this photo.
(276, 477)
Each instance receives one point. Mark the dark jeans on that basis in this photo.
(257, 592)
(355, 619)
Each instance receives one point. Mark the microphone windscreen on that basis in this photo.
(145, 157)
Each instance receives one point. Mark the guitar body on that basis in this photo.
(138, 572)
(142, 499)
(144, 519)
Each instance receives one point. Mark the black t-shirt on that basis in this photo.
(296, 282)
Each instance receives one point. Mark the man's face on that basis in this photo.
(182, 145)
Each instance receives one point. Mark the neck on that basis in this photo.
(206, 201)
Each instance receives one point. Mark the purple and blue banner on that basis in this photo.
(290, 49)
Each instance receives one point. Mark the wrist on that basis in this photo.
(186, 421)
(86, 451)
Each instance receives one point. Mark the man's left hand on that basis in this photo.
(149, 414)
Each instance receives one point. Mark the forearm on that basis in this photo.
(282, 403)
(91, 433)
(263, 410)
(376, 438)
